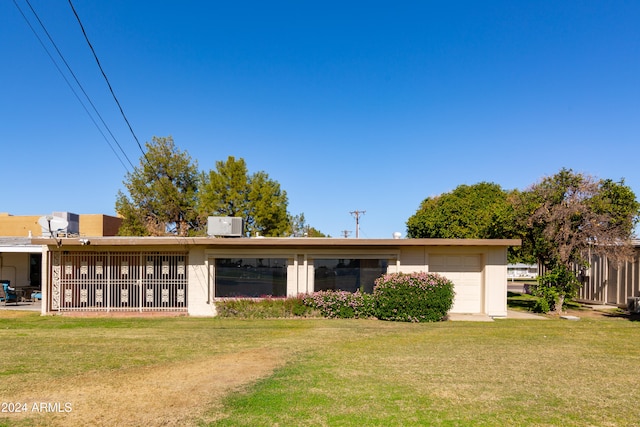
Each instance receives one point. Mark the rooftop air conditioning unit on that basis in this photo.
(224, 226)
(73, 220)
(633, 305)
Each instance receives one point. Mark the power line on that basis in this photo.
(79, 84)
(69, 83)
(144, 158)
(95, 56)
(144, 154)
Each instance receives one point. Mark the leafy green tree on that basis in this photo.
(267, 213)
(300, 228)
(479, 211)
(162, 191)
(565, 217)
(231, 191)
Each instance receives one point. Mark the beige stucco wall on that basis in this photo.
(15, 267)
(90, 225)
(412, 260)
(199, 299)
(495, 271)
(99, 225)
(19, 225)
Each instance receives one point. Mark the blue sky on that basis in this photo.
(369, 106)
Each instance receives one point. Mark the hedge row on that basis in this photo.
(407, 297)
(264, 308)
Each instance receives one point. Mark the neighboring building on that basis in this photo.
(522, 271)
(99, 225)
(83, 224)
(605, 282)
(19, 226)
(21, 261)
(184, 274)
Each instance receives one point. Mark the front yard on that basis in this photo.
(195, 371)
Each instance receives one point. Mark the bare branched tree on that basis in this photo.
(568, 215)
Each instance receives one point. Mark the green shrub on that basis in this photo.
(413, 297)
(554, 288)
(263, 308)
(542, 305)
(297, 307)
(341, 304)
(546, 298)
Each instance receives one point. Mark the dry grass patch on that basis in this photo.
(135, 372)
(169, 394)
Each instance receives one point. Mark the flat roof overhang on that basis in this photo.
(264, 242)
(34, 249)
(19, 245)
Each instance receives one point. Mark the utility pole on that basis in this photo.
(346, 233)
(357, 214)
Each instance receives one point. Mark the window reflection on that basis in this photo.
(348, 274)
(251, 277)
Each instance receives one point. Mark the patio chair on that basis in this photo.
(10, 294)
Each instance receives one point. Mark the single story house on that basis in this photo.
(189, 274)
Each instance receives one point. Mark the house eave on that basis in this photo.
(265, 242)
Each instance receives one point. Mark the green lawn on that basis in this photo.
(343, 372)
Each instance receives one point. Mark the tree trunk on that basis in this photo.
(559, 304)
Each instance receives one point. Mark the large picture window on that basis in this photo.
(251, 277)
(348, 274)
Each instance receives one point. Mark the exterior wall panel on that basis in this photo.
(465, 271)
(99, 225)
(496, 283)
(19, 225)
(15, 267)
(413, 259)
(607, 283)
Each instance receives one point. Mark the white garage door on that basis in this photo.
(465, 271)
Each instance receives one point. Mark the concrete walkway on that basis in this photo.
(516, 314)
(511, 314)
(22, 306)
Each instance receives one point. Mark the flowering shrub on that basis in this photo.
(412, 297)
(341, 304)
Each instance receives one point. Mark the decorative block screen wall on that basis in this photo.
(125, 281)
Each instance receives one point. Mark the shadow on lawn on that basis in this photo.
(520, 301)
(525, 302)
(632, 317)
